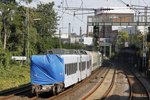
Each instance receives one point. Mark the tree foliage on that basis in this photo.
(122, 38)
(18, 28)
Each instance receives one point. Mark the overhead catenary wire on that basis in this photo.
(72, 15)
(136, 8)
(145, 3)
(140, 7)
(66, 3)
(64, 11)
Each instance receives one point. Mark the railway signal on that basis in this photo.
(96, 31)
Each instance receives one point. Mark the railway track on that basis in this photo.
(24, 92)
(110, 87)
(13, 92)
(94, 91)
(76, 91)
(138, 91)
(120, 88)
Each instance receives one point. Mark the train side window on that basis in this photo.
(87, 64)
(80, 66)
(83, 66)
(75, 67)
(68, 69)
(71, 68)
(65, 68)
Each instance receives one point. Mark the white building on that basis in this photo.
(88, 40)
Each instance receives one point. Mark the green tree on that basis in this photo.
(136, 39)
(19, 27)
(45, 26)
(48, 21)
(122, 37)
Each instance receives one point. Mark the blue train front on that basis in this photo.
(46, 72)
(53, 72)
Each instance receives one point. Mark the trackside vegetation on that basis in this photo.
(23, 32)
(13, 76)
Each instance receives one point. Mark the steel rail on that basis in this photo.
(130, 86)
(147, 92)
(110, 87)
(11, 93)
(96, 87)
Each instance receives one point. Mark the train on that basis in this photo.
(61, 68)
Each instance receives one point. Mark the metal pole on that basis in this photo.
(104, 42)
(60, 38)
(87, 29)
(80, 35)
(69, 32)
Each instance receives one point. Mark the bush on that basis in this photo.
(13, 76)
(5, 58)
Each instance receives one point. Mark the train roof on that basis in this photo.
(66, 51)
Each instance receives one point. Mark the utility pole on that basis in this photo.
(69, 32)
(104, 32)
(59, 38)
(80, 35)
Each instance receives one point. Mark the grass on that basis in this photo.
(13, 76)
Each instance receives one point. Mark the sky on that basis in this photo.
(81, 20)
(78, 21)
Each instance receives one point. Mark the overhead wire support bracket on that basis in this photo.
(86, 9)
